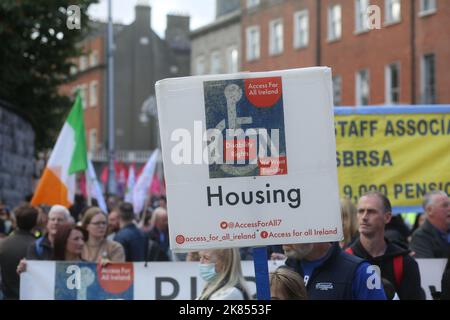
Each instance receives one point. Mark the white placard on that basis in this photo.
(273, 182)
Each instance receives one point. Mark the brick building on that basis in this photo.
(406, 61)
(216, 47)
(141, 58)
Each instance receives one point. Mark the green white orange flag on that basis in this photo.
(57, 184)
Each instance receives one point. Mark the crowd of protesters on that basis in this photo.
(374, 261)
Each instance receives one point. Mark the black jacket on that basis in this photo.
(134, 242)
(426, 242)
(12, 250)
(409, 288)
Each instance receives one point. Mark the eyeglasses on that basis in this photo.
(60, 220)
(99, 223)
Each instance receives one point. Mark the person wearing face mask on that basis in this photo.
(221, 270)
(7, 221)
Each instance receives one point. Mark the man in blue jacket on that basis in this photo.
(332, 274)
(133, 240)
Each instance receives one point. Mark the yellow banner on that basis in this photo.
(403, 156)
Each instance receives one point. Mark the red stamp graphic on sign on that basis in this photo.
(236, 150)
(263, 92)
(180, 239)
(270, 166)
(116, 278)
(223, 224)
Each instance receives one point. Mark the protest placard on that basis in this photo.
(249, 159)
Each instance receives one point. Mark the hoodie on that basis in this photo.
(409, 288)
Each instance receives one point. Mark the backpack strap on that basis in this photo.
(398, 267)
(38, 246)
(398, 270)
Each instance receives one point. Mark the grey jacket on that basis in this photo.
(426, 242)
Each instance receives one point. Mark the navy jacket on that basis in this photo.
(332, 280)
(134, 242)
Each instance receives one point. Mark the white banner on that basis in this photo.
(250, 159)
(431, 271)
(49, 280)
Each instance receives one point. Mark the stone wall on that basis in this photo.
(16, 156)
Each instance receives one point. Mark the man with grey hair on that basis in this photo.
(431, 240)
(42, 248)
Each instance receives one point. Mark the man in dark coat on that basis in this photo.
(431, 240)
(14, 248)
(133, 240)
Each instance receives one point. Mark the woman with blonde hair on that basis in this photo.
(221, 269)
(97, 248)
(350, 224)
(286, 284)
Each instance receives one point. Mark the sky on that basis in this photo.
(201, 12)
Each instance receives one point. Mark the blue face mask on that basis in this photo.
(207, 271)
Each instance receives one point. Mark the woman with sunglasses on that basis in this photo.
(97, 247)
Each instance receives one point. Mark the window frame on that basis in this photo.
(331, 23)
(250, 55)
(388, 81)
(273, 37)
(359, 97)
(297, 41)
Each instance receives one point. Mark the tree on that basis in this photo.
(35, 58)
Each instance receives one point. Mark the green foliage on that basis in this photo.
(35, 54)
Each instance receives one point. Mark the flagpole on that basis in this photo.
(88, 188)
(111, 174)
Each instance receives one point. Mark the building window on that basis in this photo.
(73, 70)
(200, 65)
(92, 140)
(362, 88)
(427, 7)
(337, 90)
(232, 60)
(393, 11)
(276, 37)
(334, 22)
(93, 59)
(83, 63)
(428, 79)
(361, 18)
(253, 40)
(83, 89)
(93, 93)
(215, 63)
(252, 3)
(301, 29)
(393, 83)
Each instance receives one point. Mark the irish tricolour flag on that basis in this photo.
(57, 184)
